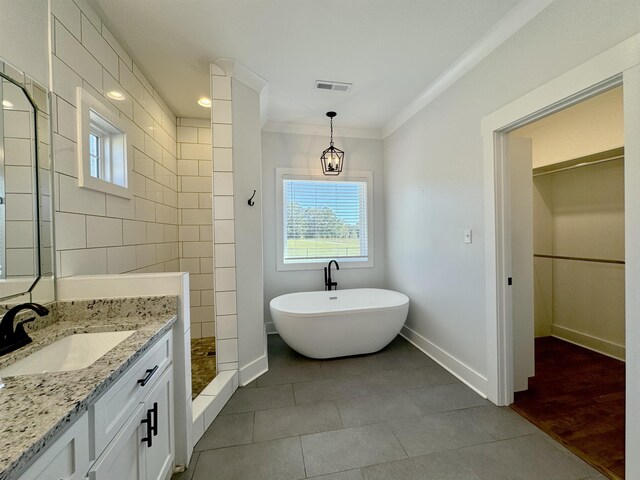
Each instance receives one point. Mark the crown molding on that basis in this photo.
(248, 77)
(264, 106)
(322, 130)
(509, 24)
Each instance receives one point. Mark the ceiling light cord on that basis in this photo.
(331, 142)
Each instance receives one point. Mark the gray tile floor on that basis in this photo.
(393, 415)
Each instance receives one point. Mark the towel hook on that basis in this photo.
(250, 202)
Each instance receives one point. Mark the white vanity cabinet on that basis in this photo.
(127, 433)
(143, 448)
(110, 412)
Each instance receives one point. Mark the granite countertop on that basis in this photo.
(35, 409)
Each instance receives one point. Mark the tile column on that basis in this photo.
(224, 249)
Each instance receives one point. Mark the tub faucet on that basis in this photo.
(328, 284)
(11, 339)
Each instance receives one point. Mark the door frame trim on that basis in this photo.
(595, 76)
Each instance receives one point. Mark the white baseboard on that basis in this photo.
(462, 371)
(250, 372)
(585, 340)
(257, 367)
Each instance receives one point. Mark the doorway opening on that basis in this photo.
(195, 243)
(566, 244)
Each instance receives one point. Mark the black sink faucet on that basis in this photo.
(11, 339)
(328, 284)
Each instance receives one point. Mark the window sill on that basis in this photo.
(344, 264)
(99, 185)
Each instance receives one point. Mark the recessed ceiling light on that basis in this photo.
(204, 102)
(7, 104)
(115, 95)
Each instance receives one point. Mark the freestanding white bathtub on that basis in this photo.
(341, 322)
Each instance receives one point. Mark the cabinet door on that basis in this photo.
(125, 457)
(67, 458)
(115, 406)
(160, 455)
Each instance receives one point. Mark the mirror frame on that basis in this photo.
(38, 214)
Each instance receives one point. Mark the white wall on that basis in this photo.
(24, 33)
(593, 126)
(195, 218)
(248, 230)
(543, 245)
(303, 151)
(237, 229)
(97, 233)
(434, 171)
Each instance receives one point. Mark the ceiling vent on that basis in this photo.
(333, 86)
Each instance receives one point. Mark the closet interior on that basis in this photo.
(578, 392)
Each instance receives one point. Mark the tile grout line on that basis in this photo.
(304, 463)
(360, 470)
(253, 428)
(195, 465)
(397, 439)
(340, 415)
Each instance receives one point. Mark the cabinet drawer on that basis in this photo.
(109, 413)
(67, 458)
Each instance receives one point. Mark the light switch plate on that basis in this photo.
(467, 236)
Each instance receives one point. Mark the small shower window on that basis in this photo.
(323, 220)
(104, 161)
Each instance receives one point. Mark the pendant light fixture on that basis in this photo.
(332, 157)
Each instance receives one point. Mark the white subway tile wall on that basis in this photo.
(195, 218)
(95, 232)
(224, 232)
(19, 255)
(178, 164)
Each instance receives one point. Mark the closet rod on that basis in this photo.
(580, 259)
(607, 156)
(580, 165)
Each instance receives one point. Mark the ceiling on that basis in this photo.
(390, 50)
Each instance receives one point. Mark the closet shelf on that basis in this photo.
(580, 259)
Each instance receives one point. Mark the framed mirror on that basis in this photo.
(26, 228)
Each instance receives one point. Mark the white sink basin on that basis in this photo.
(70, 353)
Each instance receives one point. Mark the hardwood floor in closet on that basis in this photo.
(577, 397)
